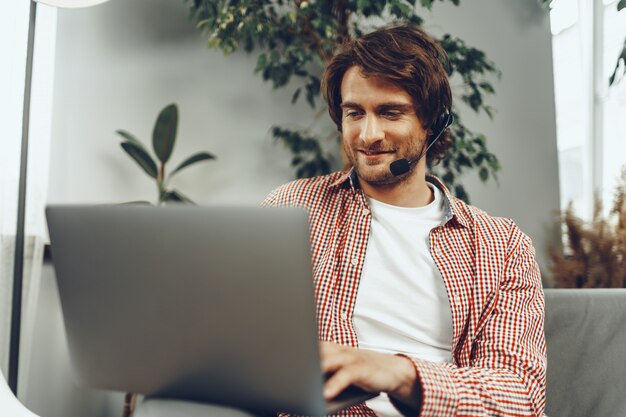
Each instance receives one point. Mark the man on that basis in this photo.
(421, 297)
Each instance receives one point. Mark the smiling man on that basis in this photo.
(421, 297)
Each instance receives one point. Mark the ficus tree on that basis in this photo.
(163, 141)
(295, 39)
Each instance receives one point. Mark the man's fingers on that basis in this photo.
(339, 381)
(332, 356)
(334, 360)
(331, 363)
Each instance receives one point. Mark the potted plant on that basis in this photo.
(163, 141)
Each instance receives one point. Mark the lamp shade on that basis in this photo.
(70, 4)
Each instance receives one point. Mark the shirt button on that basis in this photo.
(366, 211)
(355, 261)
(344, 316)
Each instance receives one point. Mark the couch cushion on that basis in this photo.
(586, 341)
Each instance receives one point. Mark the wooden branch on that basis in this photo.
(129, 404)
(343, 18)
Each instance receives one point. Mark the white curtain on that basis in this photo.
(14, 16)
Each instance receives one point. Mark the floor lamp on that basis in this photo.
(18, 264)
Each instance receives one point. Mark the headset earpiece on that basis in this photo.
(444, 120)
(402, 166)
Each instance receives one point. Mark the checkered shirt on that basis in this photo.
(493, 284)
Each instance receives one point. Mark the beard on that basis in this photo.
(377, 173)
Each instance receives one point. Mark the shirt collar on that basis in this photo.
(345, 177)
(453, 208)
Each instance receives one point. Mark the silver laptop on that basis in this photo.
(196, 303)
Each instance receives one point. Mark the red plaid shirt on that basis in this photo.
(493, 284)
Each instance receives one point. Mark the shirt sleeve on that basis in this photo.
(507, 371)
(270, 200)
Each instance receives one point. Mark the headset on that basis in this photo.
(402, 166)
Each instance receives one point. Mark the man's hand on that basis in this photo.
(371, 371)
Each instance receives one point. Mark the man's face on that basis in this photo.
(379, 126)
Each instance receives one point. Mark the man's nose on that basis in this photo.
(371, 131)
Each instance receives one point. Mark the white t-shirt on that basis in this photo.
(402, 305)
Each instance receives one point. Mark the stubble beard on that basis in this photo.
(381, 176)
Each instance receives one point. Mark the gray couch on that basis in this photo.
(586, 338)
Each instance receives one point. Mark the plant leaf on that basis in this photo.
(484, 174)
(427, 4)
(200, 156)
(295, 95)
(141, 157)
(176, 197)
(619, 67)
(460, 192)
(260, 63)
(131, 138)
(164, 133)
(621, 5)
(136, 203)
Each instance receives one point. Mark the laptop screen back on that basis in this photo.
(197, 303)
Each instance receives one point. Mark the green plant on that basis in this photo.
(595, 252)
(163, 140)
(546, 4)
(297, 38)
(621, 60)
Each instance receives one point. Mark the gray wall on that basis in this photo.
(119, 63)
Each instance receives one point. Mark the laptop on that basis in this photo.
(207, 304)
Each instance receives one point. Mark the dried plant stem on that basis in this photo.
(129, 404)
(595, 251)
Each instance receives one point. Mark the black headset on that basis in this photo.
(444, 120)
(402, 166)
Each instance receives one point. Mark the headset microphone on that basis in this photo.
(402, 166)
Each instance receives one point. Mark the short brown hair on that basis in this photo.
(409, 58)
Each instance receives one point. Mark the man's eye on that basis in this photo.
(352, 114)
(392, 114)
